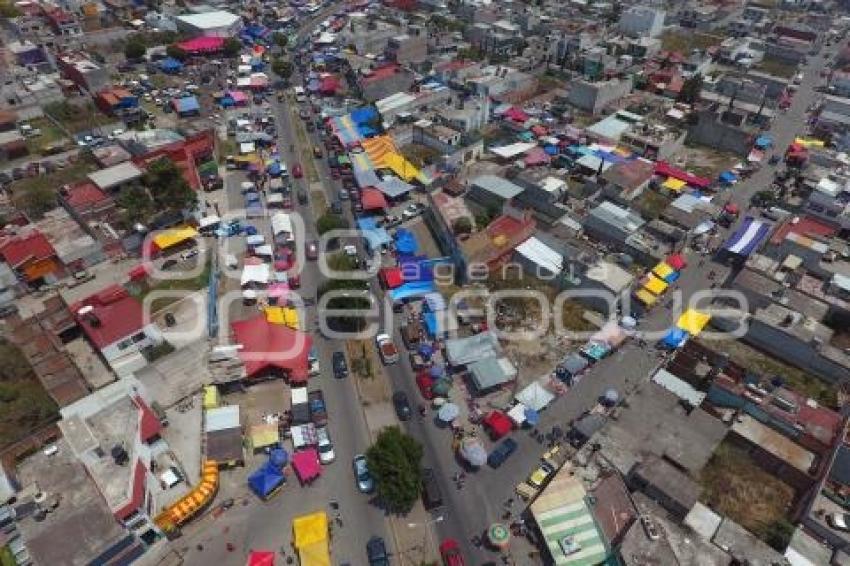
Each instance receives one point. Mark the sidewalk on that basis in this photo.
(413, 535)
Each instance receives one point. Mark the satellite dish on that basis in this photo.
(85, 310)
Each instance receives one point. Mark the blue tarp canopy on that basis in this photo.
(170, 65)
(226, 101)
(550, 150)
(672, 277)
(278, 457)
(415, 268)
(411, 290)
(728, 177)
(375, 236)
(405, 242)
(274, 169)
(366, 131)
(186, 104)
(747, 237)
(266, 480)
(363, 115)
(255, 30)
(764, 141)
(674, 338)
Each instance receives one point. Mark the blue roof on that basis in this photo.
(265, 480)
(170, 64)
(187, 104)
(405, 242)
(363, 115)
(411, 290)
(675, 337)
(375, 236)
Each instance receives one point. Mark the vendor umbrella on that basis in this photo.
(279, 457)
(437, 372)
(441, 387)
(426, 350)
(498, 535)
(448, 412)
(532, 417)
(473, 452)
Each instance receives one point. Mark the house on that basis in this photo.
(74, 246)
(116, 325)
(639, 21)
(117, 101)
(30, 255)
(87, 75)
(490, 248)
(405, 49)
(661, 481)
(490, 191)
(217, 23)
(113, 179)
(627, 180)
(594, 96)
(611, 223)
(91, 207)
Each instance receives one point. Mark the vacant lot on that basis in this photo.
(37, 195)
(685, 42)
(734, 486)
(24, 404)
(795, 378)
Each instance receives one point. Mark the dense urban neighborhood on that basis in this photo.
(424, 282)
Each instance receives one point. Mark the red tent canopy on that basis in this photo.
(373, 199)
(267, 345)
(539, 130)
(516, 114)
(677, 262)
(261, 558)
(392, 277)
(498, 423)
(139, 272)
(306, 465)
(202, 44)
(329, 85)
(664, 168)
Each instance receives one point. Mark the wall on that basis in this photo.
(127, 358)
(593, 97)
(713, 133)
(775, 466)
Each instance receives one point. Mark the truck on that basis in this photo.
(300, 406)
(318, 410)
(389, 353)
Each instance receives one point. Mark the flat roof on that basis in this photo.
(774, 442)
(497, 185)
(115, 175)
(209, 20)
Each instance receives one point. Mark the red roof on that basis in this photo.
(137, 498)
(139, 272)
(261, 558)
(267, 345)
(202, 44)
(373, 199)
(392, 277)
(499, 424)
(676, 261)
(115, 314)
(805, 226)
(16, 249)
(149, 425)
(380, 73)
(516, 114)
(84, 194)
(329, 85)
(664, 168)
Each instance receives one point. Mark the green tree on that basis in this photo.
(394, 461)
(136, 203)
(462, 225)
(356, 300)
(176, 52)
(8, 10)
(282, 68)
(280, 39)
(167, 187)
(134, 49)
(232, 47)
(328, 222)
(38, 200)
(691, 89)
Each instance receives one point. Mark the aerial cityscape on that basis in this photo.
(424, 282)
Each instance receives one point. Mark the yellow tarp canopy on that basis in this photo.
(646, 297)
(185, 508)
(310, 529)
(662, 270)
(693, 321)
(283, 315)
(674, 184)
(263, 435)
(211, 398)
(384, 155)
(655, 285)
(316, 554)
(173, 236)
(809, 142)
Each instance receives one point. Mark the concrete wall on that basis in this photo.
(711, 132)
(593, 97)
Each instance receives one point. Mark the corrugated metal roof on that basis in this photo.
(497, 185)
(222, 418)
(681, 389)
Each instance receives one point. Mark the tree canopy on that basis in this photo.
(232, 47)
(328, 222)
(282, 68)
(462, 225)
(691, 89)
(167, 187)
(134, 50)
(136, 203)
(280, 39)
(176, 52)
(395, 462)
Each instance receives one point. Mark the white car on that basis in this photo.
(839, 521)
(326, 447)
(189, 254)
(412, 211)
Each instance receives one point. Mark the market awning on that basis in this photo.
(306, 465)
(663, 271)
(647, 298)
(499, 424)
(655, 285)
(676, 261)
(391, 277)
(287, 316)
(693, 321)
(174, 236)
(373, 199)
(674, 184)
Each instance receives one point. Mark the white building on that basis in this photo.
(642, 21)
(210, 24)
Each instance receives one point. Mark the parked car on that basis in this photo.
(424, 383)
(318, 409)
(501, 452)
(839, 521)
(311, 250)
(376, 551)
(541, 475)
(432, 496)
(317, 152)
(364, 480)
(325, 446)
(450, 553)
(168, 264)
(651, 529)
(302, 196)
(412, 211)
(343, 194)
(340, 365)
(402, 405)
(189, 254)
(336, 207)
(387, 349)
(297, 172)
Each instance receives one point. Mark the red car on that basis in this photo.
(424, 382)
(297, 172)
(450, 553)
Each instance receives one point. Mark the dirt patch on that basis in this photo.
(704, 161)
(736, 487)
(686, 42)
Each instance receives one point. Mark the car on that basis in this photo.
(302, 196)
(189, 254)
(424, 383)
(325, 446)
(651, 529)
(450, 553)
(501, 452)
(402, 405)
(317, 152)
(364, 480)
(336, 207)
(343, 194)
(432, 496)
(541, 475)
(357, 206)
(297, 172)
(839, 521)
(340, 365)
(311, 250)
(376, 552)
(412, 211)
(168, 264)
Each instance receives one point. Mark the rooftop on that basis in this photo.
(497, 185)
(774, 442)
(622, 218)
(115, 175)
(67, 237)
(113, 315)
(209, 20)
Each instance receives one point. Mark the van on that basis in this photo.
(775, 213)
(432, 496)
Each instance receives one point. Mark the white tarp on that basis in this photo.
(255, 240)
(256, 274)
(513, 150)
(221, 418)
(281, 222)
(517, 414)
(541, 255)
(208, 221)
(535, 396)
